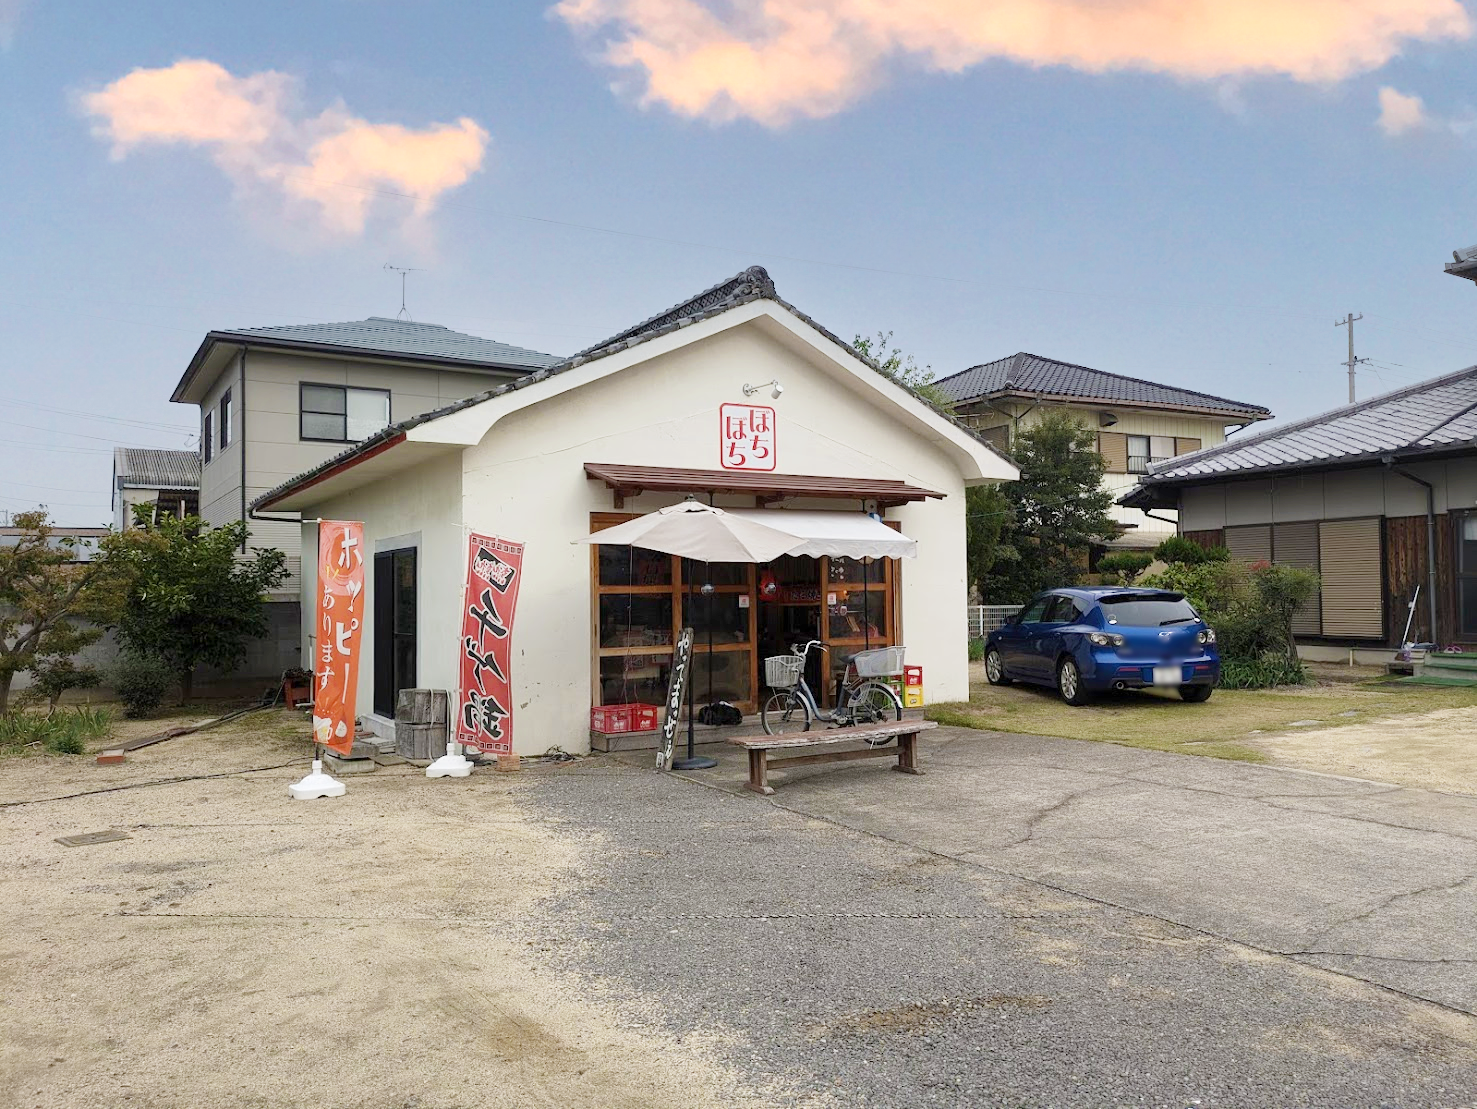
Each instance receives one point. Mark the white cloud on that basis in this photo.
(335, 163)
(1400, 113)
(776, 60)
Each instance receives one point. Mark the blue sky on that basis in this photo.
(1200, 226)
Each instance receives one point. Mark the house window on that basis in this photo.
(338, 414)
(1146, 449)
(225, 428)
(207, 436)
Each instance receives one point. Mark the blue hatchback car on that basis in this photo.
(1086, 641)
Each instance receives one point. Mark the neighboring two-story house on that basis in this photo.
(278, 401)
(1137, 422)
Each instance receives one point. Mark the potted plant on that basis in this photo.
(297, 686)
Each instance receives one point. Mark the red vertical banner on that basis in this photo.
(484, 718)
(340, 626)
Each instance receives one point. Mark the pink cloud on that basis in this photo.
(337, 164)
(776, 60)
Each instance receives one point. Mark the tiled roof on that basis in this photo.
(382, 335)
(1032, 375)
(143, 468)
(1432, 416)
(749, 285)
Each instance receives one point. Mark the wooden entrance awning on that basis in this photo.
(628, 481)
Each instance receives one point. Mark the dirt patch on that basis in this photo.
(1434, 750)
(381, 950)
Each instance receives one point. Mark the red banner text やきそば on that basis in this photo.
(484, 717)
(340, 623)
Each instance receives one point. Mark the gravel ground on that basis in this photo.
(822, 961)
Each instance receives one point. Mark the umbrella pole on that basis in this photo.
(692, 761)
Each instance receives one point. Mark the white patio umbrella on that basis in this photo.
(698, 531)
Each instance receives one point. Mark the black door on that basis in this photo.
(394, 627)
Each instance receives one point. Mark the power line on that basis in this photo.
(77, 434)
(181, 428)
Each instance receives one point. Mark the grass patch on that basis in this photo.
(1222, 727)
(66, 732)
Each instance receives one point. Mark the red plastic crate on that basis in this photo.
(611, 719)
(912, 675)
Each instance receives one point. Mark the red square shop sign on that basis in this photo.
(746, 437)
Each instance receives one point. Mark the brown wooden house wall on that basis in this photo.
(1214, 537)
(1405, 568)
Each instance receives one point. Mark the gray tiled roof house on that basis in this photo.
(1030, 376)
(1429, 419)
(377, 337)
(146, 468)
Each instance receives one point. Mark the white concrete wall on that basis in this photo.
(526, 482)
(1367, 491)
(419, 508)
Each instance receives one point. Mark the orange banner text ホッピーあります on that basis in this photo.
(339, 626)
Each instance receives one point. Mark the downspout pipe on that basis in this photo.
(1390, 464)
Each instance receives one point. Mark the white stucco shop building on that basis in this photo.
(632, 425)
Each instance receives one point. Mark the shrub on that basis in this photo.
(1124, 566)
(1251, 609)
(1179, 550)
(53, 677)
(141, 682)
(976, 650)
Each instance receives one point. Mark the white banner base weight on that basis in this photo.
(317, 784)
(450, 765)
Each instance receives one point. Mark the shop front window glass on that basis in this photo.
(634, 566)
(859, 614)
(635, 679)
(635, 619)
(715, 573)
(729, 618)
(849, 571)
(730, 674)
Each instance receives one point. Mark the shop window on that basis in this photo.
(730, 674)
(635, 678)
(726, 615)
(635, 619)
(714, 573)
(859, 615)
(634, 566)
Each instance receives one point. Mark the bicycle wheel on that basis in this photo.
(875, 703)
(784, 713)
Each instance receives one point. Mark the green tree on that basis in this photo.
(51, 606)
(193, 599)
(1058, 509)
(987, 514)
(1124, 567)
(902, 368)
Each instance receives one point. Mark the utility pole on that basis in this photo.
(1352, 362)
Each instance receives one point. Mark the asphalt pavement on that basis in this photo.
(1035, 922)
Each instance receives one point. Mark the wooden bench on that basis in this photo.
(759, 746)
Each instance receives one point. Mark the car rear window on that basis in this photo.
(1148, 612)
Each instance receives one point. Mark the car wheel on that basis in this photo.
(1195, 694)
(1069, 683)
(995, 669)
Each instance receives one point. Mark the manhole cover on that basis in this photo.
(87, 838)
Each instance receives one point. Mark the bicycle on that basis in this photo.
(864, 699)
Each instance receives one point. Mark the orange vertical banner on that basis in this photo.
(340, 623)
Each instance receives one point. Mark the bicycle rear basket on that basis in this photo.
(783, 671)
(878, 663)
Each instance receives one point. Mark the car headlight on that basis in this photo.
(1104, 639)
(1207, 636)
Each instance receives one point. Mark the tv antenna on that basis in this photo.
(404, 272)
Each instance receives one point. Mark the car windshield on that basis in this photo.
(1139, 611)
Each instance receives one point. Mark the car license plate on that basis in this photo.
(1169, 675)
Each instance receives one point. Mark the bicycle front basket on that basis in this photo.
(878, 663)
(783, 671)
